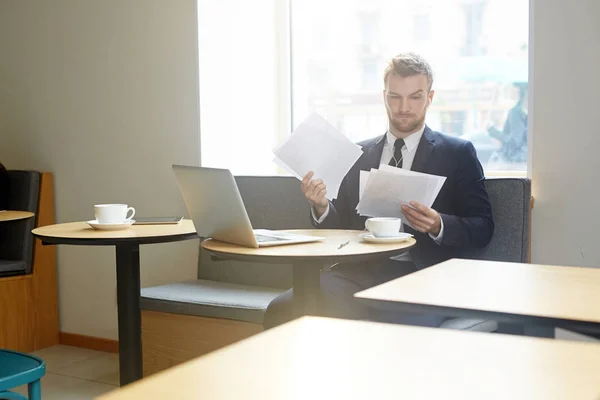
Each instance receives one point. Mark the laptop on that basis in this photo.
(157, 220)
(215, 206)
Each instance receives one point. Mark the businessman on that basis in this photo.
(459, 219)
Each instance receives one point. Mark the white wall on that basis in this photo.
(566, 133)
(104, 94)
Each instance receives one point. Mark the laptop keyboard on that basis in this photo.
(265, 238)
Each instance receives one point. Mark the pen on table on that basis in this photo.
(346, 243)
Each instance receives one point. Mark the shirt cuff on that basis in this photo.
(437, 239)
(319, 220)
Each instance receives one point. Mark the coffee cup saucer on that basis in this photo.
(110, 227)
(400, 237)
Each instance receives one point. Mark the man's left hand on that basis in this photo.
(423, 218)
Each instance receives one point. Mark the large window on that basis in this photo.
(268, 64)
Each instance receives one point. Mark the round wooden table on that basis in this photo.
(308, 259)
(127, 243)
(10, 215)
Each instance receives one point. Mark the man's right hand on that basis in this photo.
(315, 192)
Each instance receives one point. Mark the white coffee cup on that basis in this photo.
(383, 227)
(113, 213)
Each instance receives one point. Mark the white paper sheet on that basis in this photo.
(317, 146)
(434, 182)
(363, 179)
(383, 191)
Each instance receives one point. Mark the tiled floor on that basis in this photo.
(77, 374)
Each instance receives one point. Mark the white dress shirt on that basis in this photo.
(411, 142)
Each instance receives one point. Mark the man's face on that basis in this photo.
(406, 101)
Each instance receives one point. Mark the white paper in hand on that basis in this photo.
(317, 146)
(386, 189)
(433, 183)
(363, 178)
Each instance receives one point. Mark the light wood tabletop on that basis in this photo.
(323, 250)
(318, 358)
(308, 259)
(127, 245)
(11, 215)
(562, 296)
(81, 232)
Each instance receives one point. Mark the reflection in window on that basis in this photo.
(421, 27)
(368, 29)
(478, 69)
(371, 78)
(473, 28)
(453, 122)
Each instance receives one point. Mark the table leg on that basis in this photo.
(130, 318)
(307, 288)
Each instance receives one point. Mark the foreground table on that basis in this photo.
(127, 243)
(528, 294)
(309, 258)
(11, 215)
(319, 358)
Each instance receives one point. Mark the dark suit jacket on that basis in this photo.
(462, 202)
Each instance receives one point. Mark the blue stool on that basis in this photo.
(18, 369)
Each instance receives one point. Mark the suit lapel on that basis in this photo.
(372, 157)
(426, 145)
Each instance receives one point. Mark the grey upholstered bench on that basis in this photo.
(227, 301)
(211, 299)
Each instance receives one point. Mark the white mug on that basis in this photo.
(383, 227)
(113, 213)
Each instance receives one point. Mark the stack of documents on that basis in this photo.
(318, 146)
(383, 191)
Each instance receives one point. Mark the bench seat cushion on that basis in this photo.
(208, 298)
(12, 267)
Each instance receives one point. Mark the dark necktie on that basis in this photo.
(396, 161)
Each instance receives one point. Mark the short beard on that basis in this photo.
(407, 130)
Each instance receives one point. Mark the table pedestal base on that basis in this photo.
(130, 315)
(307, 288)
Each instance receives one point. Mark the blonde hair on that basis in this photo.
(408, 64)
